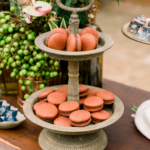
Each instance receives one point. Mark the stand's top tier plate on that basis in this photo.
(105, 43)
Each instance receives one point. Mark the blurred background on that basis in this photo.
(128, 62)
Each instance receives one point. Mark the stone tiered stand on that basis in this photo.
(90, 137)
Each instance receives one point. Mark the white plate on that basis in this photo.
(8, 125)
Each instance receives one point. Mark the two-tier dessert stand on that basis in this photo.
(92, 136)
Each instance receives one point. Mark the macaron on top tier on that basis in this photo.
(93, 104)
(63, 89)
(80, 118)
(56, 98)
(107, 96)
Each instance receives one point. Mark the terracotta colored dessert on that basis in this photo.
(83, 94)
(93, 104)
(56, 98)
(74, 43)
(92, 92)
(62, 121)
(43, 95)
(36, 106)
(47, 111)
(89, 42)
(107, 96)
(80, 118)
(91, 31)
(56, 41)
(100, 116)
(66, 108)
(60, 30)
(63, 89)
(81, 101)
(82, 88)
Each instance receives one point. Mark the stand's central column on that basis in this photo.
(73, 83)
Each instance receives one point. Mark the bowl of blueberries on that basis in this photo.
(10, 117)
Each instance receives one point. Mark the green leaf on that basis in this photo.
(134, 108)
(82, 17)
(74, 1)
(63, 24)
(117, 1)
(68, 2)
(53, 23)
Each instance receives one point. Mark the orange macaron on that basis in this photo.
(100, 116)
(74, 43)
(62, 121)
(92, 92)
(89, 42)
(56, 98)
(66, 108)
(80, 118)
(93, 104)
(91, 31)
(107, 96)
(63, 89)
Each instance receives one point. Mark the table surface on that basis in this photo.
(122, 135)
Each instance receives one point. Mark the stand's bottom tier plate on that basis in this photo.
(54, 141)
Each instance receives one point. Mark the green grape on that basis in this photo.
(20, 52)
(39, 56)
(2, 21)
(2, 43)
(4, 61)
(32, 74)
(26, 96)
(31, 60)
(24, 72)
(43, 73)
(13, 74)
(23, 88)
(16, 35)
(31, 47)
(37, 48)
(17, 57)
(25, 42)
(52, 74)
(38, 64)
(22, 47)
(38, 75)
(45, 55)
(42, 62)
(6, 50)
(2, 65)
(52, 58)
(20, 81)
(10, 29)
(8, 39)
(7, 17)
(26, 32)
(30, 37)
(22, 61)
(8, 67)
(17, 76)
(5, 27)
(42, 86)
(55, 74)
(20, 73)
(56, 63)
(47, 73)
(14, 64)
(1, 30)
(31, 91)
(35, 68)
(25, 52)
(34, 53)
(15, 44)
(1, 72)
(27, 58)
(15, 70)
(51, 62)
(28, 82)
(56, 68)
(2, 15)
(22, 29)
(13, 25)
(46, 64)
(18, 62)
(12, 8)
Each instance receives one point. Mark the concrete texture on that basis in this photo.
(128, 62)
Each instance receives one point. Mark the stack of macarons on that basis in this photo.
(60, 39)
(53, 106)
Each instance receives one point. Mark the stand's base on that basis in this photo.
(54, 141)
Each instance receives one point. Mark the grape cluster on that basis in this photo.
(17, 50)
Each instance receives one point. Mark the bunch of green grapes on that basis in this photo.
(17, 50)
